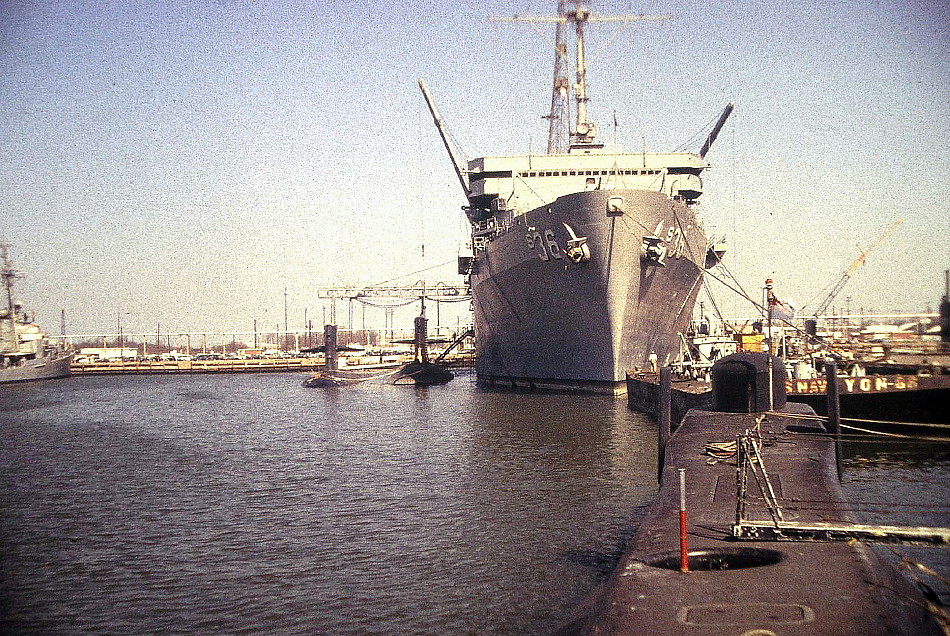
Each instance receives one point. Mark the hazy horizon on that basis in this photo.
(184, 163)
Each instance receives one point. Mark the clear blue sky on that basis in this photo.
(183, 162)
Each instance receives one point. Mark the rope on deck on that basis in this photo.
(869, 433)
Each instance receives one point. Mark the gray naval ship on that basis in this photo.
(586, 261)
(25, 351)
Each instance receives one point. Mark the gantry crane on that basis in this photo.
(401, 294)
(404, 295)
(389, 297)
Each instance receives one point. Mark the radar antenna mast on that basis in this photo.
(579, 14)
(9, 275)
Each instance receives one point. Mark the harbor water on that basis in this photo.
(247, 504)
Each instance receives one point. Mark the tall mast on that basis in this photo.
(8, 276)
(584, 130)
(558, 119)
(8, 337)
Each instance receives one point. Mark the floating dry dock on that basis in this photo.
(740, 581)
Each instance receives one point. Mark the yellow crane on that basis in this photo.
(848, 273)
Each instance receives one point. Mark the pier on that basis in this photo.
(135, 367)
(252, 365)
(280, 352)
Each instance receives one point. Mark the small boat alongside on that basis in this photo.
(421, 371)
(320, 381)
(906, 404)
(341, 376)
(422, 374)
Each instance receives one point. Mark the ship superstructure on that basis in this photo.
(585, 263)
(25, 351)
(518, 184)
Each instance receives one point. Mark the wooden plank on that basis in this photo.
(791, 531)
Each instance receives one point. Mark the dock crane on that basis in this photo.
(848, 273)
(389, 297)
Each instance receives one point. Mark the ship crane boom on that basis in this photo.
(715, 130)
(443, 133)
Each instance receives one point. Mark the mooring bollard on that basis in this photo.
(834, 411)
(663, 412)
(684, 548)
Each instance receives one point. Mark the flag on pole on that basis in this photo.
(777, 309)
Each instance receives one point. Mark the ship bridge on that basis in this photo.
(522, 183)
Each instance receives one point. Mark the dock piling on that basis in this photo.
(834, 411)
(330, 349)
(664, 411)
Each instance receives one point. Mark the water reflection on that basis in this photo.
(249, 504)
(904, 483)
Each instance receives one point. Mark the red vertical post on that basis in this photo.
(684, 548)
